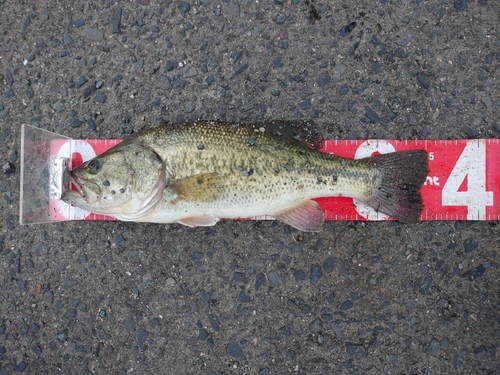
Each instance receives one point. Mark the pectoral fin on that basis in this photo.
(199, 221)
(199, 188)
(307, 216)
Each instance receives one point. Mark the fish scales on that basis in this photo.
(264, 170)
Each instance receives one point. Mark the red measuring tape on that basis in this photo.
(463, 182)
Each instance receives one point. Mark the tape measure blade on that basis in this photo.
(463, 182)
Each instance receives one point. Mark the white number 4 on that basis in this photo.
(471, 165)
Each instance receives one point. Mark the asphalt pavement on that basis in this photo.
(248, 297)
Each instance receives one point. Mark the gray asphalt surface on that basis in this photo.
(248, 297)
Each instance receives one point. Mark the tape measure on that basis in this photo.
(463, 182)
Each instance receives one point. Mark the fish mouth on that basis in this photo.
(73, 180)
(84, 192)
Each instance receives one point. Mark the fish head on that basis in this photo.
(127, 180)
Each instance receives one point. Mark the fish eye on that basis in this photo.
(94, 166)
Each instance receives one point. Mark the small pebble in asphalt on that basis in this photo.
(260, 280)
(346, 305)
(470, 244)
(36, 349)
(315, 326)
(202, 334)
(130, 324)
(347, 29)
(214, 322)
(81, 81)
(274, 278)
(329, 264)
(239, 277)
(21, 366)
(323, 79)
(4, 133)
(371, 115)
(434, 347)
(140, 336)
(243, 297)
(316, 274)
(40, 248)
(240, 69)
(320, 244)
(299, 275)
(91, 124)
(356, 349)
(425, 285)
(183, 6)
(79, 22)
(70, 313)
(100, 97)
(67, 283)
(115, 19)
(277, 63)
(75, 123)
(234, 350)
(306, 309)
(423, 80)
(343, 89)
(480, 352)
(475, 272)
(460, 5)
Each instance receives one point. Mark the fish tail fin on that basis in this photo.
(403, 174)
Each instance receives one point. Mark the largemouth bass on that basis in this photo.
(196, 174)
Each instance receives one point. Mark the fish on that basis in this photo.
(198, 173)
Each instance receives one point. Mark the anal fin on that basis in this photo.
(307, 216)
